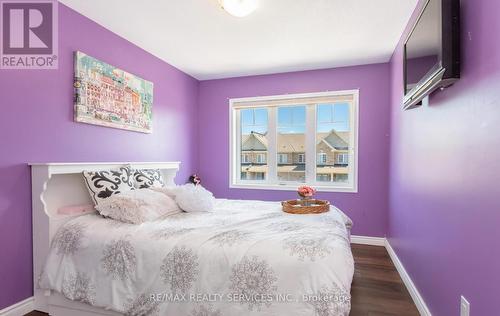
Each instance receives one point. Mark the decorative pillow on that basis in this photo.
(147, 178)
(194, 198)
(103, 184)
(138, 206)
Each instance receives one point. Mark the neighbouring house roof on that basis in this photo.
(263, 168)
(332, 170)
(254, 142)
(292, 168)
(343, 135)
(296, 168)
(334, 140)
(294, 143)
(291, 143)
(254, 168)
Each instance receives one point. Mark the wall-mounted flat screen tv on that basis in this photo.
(432, 51)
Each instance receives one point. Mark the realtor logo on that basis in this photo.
(28, 31)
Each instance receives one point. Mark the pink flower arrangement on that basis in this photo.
(306, 191)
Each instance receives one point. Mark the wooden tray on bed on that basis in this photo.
(305, 206)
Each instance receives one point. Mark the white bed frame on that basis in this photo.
(61, 184)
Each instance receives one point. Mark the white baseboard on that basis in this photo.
(365, 240)
(18, 309)
(410, 286)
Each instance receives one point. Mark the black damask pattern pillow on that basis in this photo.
(103, 184)
(147, 178)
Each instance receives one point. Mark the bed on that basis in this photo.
(244, 258)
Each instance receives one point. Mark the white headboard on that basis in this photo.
(61, 184)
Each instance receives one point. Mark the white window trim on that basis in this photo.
(246, 158)
(261, 157)
(320, 161)
(282, 158)
(274, 184)
(343, 160)
(301, 158)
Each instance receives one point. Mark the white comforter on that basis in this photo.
(245, 258)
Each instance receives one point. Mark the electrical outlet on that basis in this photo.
(464, 307)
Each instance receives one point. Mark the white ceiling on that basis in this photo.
(201, 39)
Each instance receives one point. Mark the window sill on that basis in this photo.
(293, 187)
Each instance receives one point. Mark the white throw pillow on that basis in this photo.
(194, 198)
(170, 191)
(138, 206)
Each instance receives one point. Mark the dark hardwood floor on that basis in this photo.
(377, 289)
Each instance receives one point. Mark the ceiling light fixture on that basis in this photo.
(239, 8)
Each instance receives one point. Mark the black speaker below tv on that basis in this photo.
(432, 51)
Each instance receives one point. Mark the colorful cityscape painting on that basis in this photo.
(108, 96)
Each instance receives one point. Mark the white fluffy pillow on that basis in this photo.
(138, 206)
(170, 191)
(194, 198)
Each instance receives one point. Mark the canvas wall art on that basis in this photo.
(108, 96)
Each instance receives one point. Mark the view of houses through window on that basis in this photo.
(254, 125)
(332, 138)
(285, 128)
(291, 143)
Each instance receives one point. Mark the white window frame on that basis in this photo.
(260, 158)
(282, 158)
(259, 179)
(246, 158)
(344, 160)
(321, 160)
(302, 158)
(271, 182)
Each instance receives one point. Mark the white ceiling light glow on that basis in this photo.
(239, 8)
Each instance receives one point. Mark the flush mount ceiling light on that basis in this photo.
(239, 8)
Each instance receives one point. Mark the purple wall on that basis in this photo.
(445, 174)
(368, 208)
(439, 209)
(37, 125)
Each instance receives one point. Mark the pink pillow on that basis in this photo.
(76, 209)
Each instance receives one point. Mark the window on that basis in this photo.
(245, 158)
(302, 158)
(252, 140)
(321, 159)
(282, 158)
(323, 177)
(333, 130)
(281, 142)
(259, 176)
(290, 139)
(261, 158)
(342, 158)
(341, 177)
